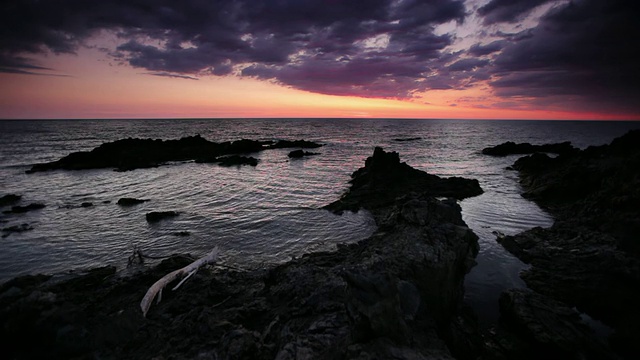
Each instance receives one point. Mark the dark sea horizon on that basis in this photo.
(266, 214)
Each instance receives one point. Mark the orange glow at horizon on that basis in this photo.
(94, 88)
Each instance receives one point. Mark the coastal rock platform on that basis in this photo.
(394, 295)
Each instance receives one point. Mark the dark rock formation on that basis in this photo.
(590, 257)
(16, 229)
(384, 178)
(156, 216)
(390, 296)
(534, 326)
(231, 160)
(511, 148)
(86, 204)
(181, 233)
(9, 199)
(297, 154)
(23, 209)
(125, 201)
(130, 154)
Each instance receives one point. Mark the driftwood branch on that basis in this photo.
(185, 272)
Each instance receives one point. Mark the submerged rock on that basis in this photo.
(296, 154)
(125, 201)
(511, 148)
(16, 229)
(9, 199)
(23, 209)
(156, 216)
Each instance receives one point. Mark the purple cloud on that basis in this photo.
(579, 51)
(507, 10)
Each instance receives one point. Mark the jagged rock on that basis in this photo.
(23, 209)
(590, 257)
(296, 154)
(511, 148)
(9, 199)
(125, 201)
(384, 178)
(156, 216)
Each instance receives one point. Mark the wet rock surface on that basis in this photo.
(384, 178)
(9, 199)
(15, 229)
(392, 296)
(130, 154)
(297, 154)
(23, 209)
(590, 257)
(125, 201)
(511, 148)
(156, 216)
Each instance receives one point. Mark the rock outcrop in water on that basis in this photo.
(590, 257)
(297, 154)
(511, 148)
(393, 295)
(23, 209)
(156, 216)
(130, 154)
(9, 199)
(125, 201)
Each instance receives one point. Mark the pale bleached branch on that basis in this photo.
(165, 280)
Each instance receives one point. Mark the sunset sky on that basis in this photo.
(533, 59)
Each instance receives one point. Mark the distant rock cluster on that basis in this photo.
(130, 154)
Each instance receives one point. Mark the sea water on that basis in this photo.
(265, 214)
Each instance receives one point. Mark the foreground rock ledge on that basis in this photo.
(393, 295)
(590, 257)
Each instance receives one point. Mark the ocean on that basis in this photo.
(266, 214)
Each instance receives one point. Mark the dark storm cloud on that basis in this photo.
(507, 10)
(481, 50)
(467, 64)
(585, 51)
(286, 41)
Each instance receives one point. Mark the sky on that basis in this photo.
(489, 59)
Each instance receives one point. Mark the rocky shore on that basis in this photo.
(590, 258)
(130, 154)
(394, 295)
